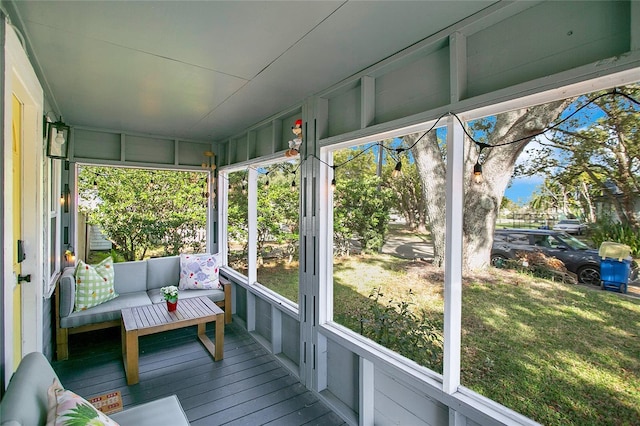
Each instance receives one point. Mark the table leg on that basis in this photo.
(130, 353)
(215, 350)
(219, 337)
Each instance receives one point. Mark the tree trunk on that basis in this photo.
(481, 201)
(590, 208)
(432, 172)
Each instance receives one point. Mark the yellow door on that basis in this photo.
(17, 225)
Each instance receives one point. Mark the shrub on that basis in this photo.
(618, 233)
(396, 326)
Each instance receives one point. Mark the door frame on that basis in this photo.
(20, 79)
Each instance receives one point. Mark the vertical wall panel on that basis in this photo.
(398, 404)
(98, 145)
(345, 110)
(291, 338)
(263, 319)
(416, 87)
(251, 144)
(343, 375)
(240, 301)
(192, 153)
(149, 150)
(239, 150)
(264, 141)
(546, 39)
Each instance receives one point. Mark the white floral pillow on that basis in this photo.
(199, 272)
(69, 409)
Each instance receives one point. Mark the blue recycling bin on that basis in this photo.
(614, 274)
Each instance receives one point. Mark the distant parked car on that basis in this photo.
(578, 257)
(571, 226)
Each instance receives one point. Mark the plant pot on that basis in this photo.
(171, 306)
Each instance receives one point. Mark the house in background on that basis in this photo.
(606, 204)
(158, 84)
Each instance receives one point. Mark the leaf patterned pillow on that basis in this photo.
(94, 284)
(69, 409)
(199, 272)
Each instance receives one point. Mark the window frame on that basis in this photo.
(251, 280)
(55, 203)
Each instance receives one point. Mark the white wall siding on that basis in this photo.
(544, 40)
(291, 338)
(417, 86)
(343, 373)
(114, 148)
(412, 409)
(263, 319)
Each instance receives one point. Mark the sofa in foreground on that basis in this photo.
(26, 401)
(136, 283)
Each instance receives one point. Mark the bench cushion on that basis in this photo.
(67, 291)
(130, 277)
(108, 311)
(214, 295)
(165, 411)
(162, 272)
(25, 401)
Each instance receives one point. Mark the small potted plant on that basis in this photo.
(170, 294)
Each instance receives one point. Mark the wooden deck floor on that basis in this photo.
(248, 387)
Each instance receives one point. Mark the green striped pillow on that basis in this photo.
(94, 284)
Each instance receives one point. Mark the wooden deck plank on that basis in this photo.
(246, 409)
(223, 405)
(286, 409)
(249, 386)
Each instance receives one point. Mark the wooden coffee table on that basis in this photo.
(151, 319)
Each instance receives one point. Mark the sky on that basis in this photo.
(521, 189)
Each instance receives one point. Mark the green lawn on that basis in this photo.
(561, 354)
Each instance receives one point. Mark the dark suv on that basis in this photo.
(578, 257)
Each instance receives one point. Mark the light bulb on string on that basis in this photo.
(333, 181)
(398, 169)
(477, 168)
(477, 173)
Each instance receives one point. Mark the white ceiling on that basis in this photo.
(207, 70)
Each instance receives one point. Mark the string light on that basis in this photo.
(477, 176)
(477, 168)
(293, 182)
(397, 171)
(333, 181)
(477, 173)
